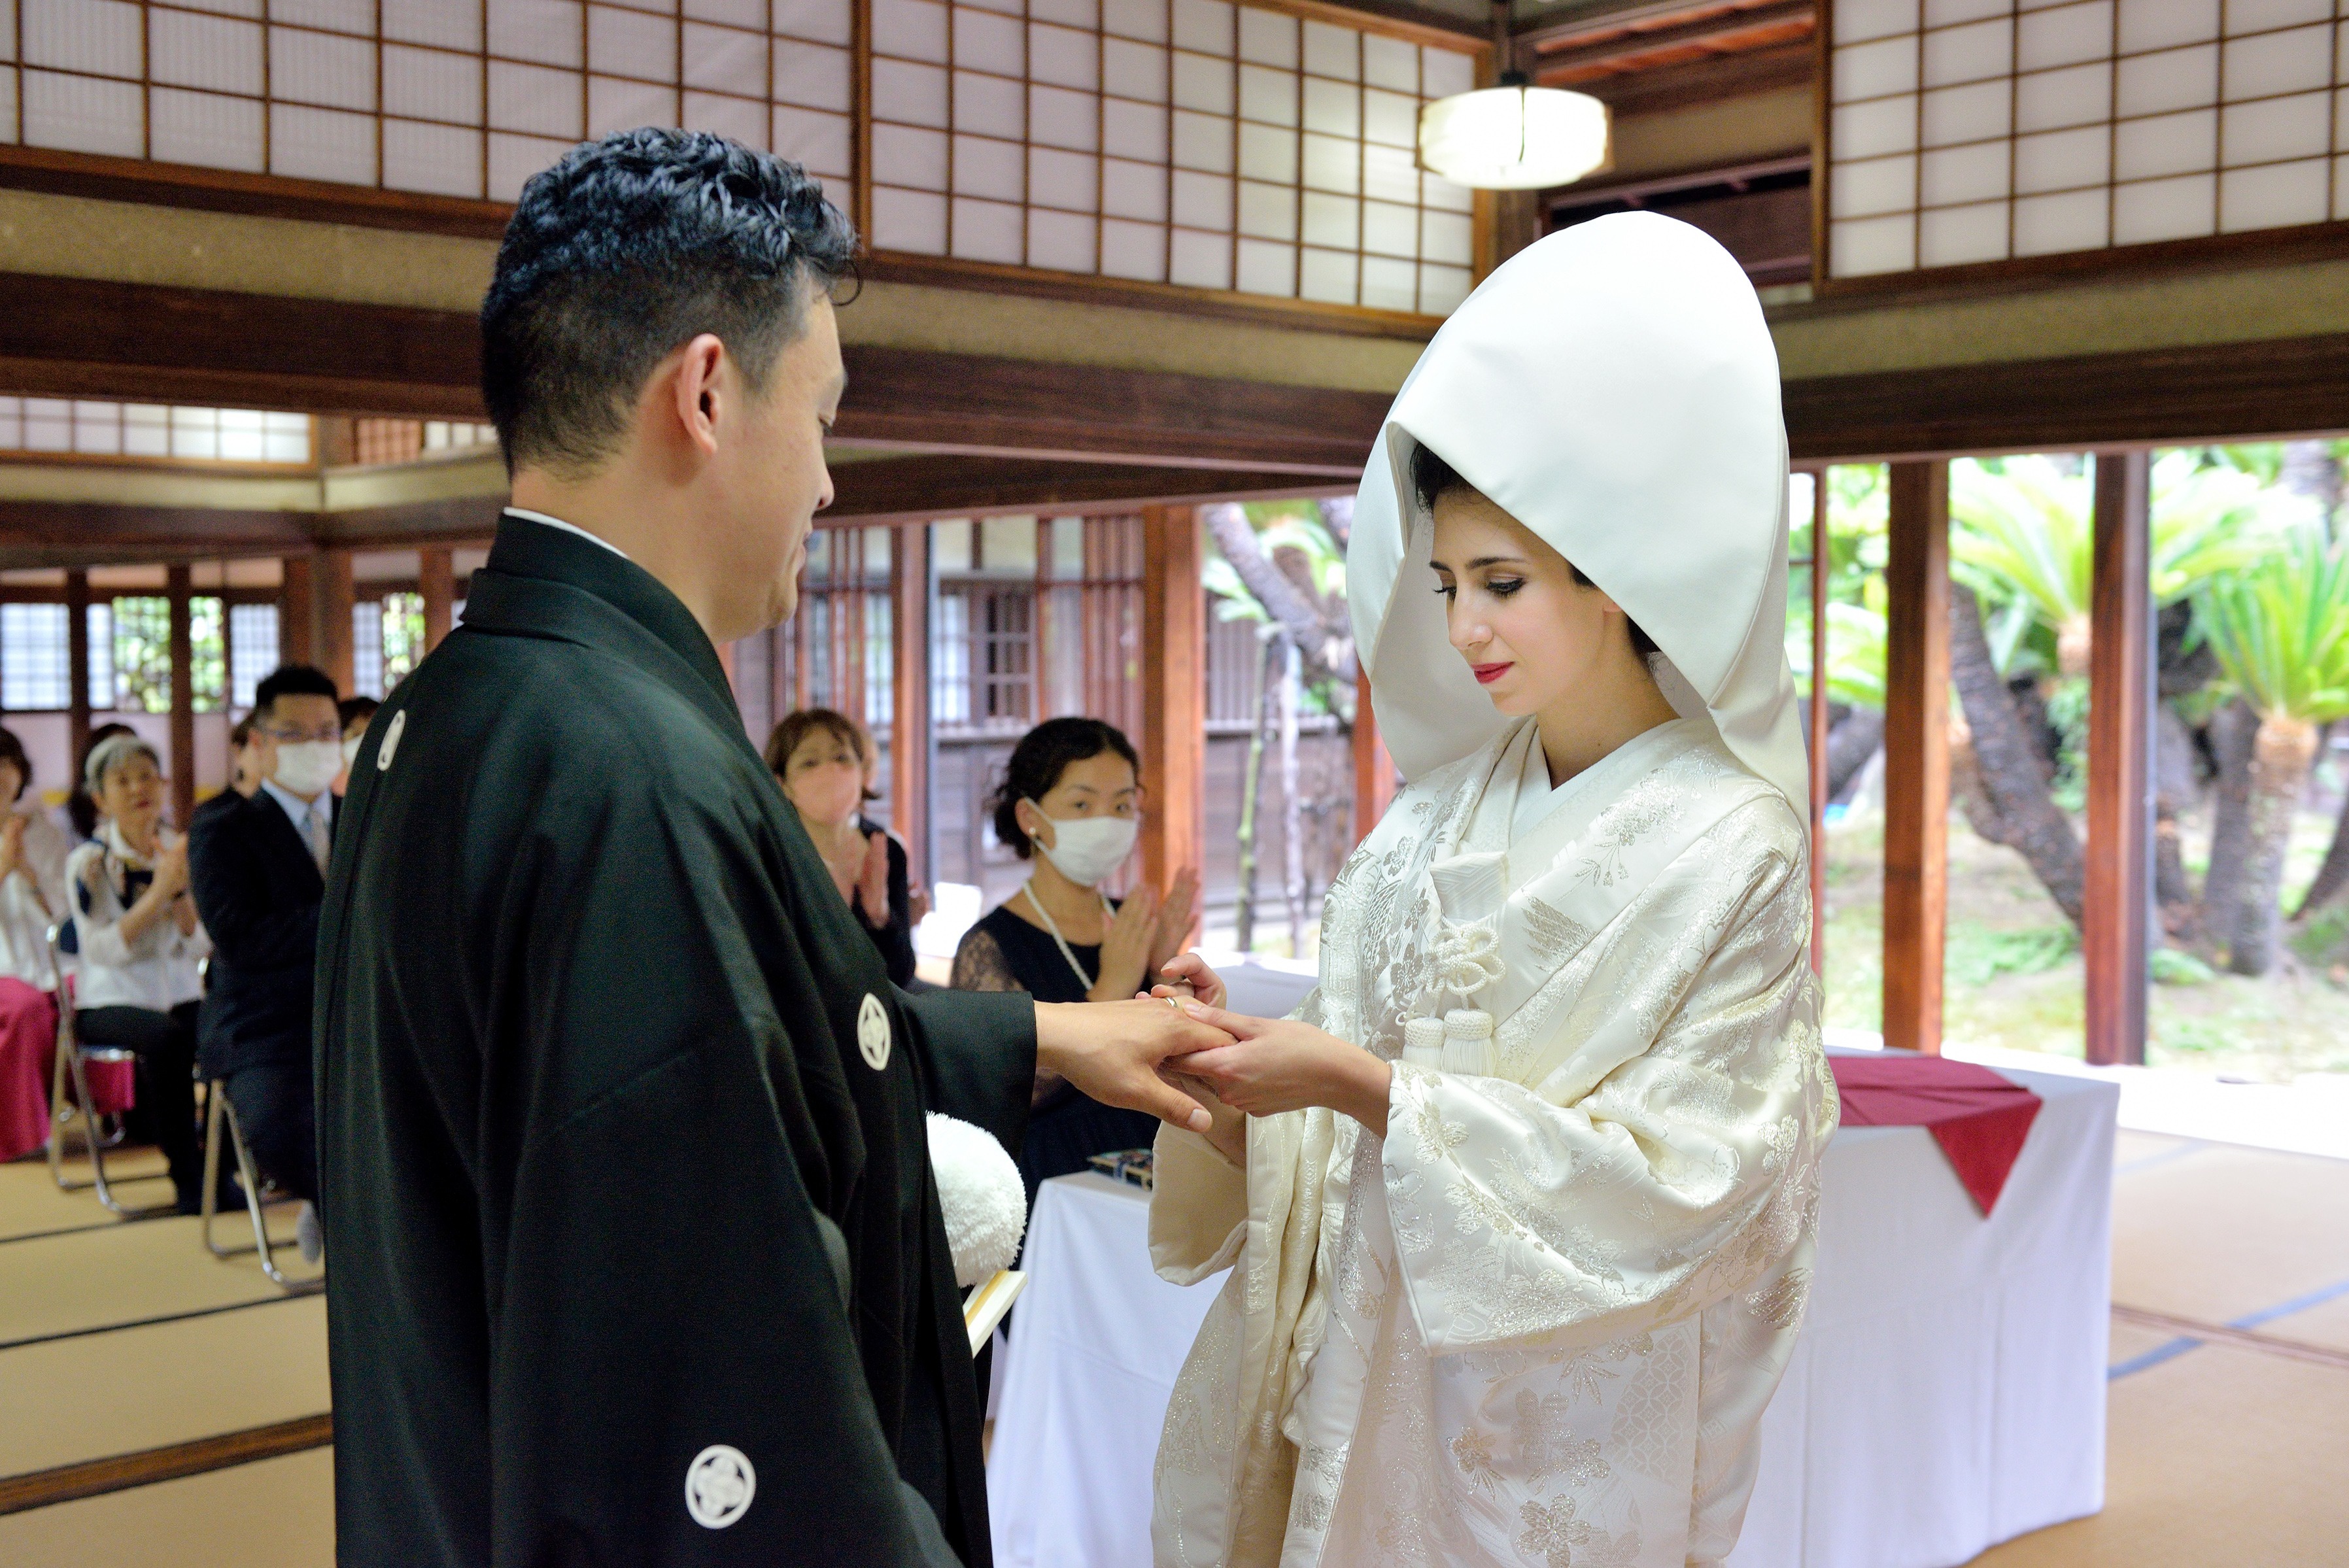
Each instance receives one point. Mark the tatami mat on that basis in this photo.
(136, 1388)
(2220, 1231)
(273, 1513)
(2220, 1456)
(119, 1274)
(32, 1203)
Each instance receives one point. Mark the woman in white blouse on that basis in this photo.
(139, 942)
(33, 850)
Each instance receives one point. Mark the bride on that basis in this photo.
(1519, 1206)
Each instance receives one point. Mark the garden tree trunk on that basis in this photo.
(2232, 731)
(2281, 751)
(1327, 647)
(2175, 787)
(1251, 795)
(1966, 784)
(1858, 736)
(2025, 817)
(1337, 517)
(1292, 823)
(2310, 468)
(2334, 874)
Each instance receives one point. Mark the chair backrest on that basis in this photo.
(64, 943)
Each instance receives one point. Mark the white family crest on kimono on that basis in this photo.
(1539, 1321)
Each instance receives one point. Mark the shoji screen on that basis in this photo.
(462, 98)
(1976, 131)
(1185, 142)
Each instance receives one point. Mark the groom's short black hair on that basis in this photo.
(625, 248)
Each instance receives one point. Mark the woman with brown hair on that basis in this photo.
(825, 762)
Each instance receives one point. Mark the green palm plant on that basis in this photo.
(2026, 536)
(1856, 643)
(2280, 628)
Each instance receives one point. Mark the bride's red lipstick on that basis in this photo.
(1487, 674)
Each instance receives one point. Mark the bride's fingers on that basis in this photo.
(1239, 1026)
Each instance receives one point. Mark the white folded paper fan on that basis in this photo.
(984, 1202)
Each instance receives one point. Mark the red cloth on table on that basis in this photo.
(1978, 1118)
(28, 1034)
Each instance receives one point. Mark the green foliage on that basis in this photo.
(1976, 956)
(2168, 966)
(1855, 653)
(2067, 710)
(2025, 531)
(2280, 628)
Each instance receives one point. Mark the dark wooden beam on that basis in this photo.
(1716, 31)
(909, 709)
(77, 664)
(81, 337)
(931, 485)
(1173, 694)
(92, 1478)
(297, 613)
(2232, 392)
(1822, 559)
(52, 533)
(2118, 891)
(1916, 756)
(181, 648)
(72, 336)
(1017, 407)
(1704, 81)
(436, 580)
(331, 581)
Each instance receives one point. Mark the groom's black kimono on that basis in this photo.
(620, 1123)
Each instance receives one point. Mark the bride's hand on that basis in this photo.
(1230, 1133)
(1275, 1064)
(1188, 974)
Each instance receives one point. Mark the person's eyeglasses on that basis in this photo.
(296, 737)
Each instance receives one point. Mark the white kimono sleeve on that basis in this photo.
(1666, 1160)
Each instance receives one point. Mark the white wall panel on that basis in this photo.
(2052, 126)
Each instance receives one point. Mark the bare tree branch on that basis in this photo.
(1328, 647)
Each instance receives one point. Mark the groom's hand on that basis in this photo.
(1113, 1051)
(1277, 1065)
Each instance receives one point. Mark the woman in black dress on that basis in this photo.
(824, 762)
(1069, 801)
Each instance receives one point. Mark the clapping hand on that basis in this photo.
(12, 845)
(1126, 946)
(872, 880)
(1174, 919)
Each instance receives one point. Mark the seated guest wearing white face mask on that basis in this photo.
(1071, 802)
(137, 983)
(258, 868)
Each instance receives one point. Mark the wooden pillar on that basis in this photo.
(331, 600)
(1917, 756)
(1373, 768)
(183, 697)
(909, 697)
(1820, 558)
(76, 665)
(2118, 889)
(1173, 694)
(436, 580)
(297, 611)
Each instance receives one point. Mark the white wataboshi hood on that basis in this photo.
(1614, 388)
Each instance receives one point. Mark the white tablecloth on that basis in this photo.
(1948, 1392)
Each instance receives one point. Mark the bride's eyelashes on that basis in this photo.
(1499, 587)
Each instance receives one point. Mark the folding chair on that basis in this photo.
(73, 1058)
(220, 1112)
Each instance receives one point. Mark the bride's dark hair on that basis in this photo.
(1431, 477)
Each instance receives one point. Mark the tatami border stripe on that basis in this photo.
(2192, 1332)
(223, 1451)
(275, 1296)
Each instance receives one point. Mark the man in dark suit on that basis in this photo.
(258, 871)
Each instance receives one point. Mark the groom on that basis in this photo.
(637, 1255)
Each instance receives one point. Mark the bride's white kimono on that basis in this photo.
(1538, 1322)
